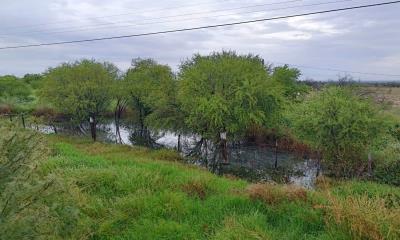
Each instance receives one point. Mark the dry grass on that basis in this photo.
(323, 182)
(196, 188)
(275, 194)
(363, 217)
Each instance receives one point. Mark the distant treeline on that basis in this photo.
(349, 81)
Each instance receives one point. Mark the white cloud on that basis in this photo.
(353, 40)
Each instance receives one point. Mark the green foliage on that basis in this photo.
(14, 90)
(387, 170)
(81, 89)
(101, 191)
(33, 205)
(226, 92)
(33, 80)
(288, 79)
(149, 85)
(341, 125)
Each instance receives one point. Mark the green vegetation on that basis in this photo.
(80, 89)
(86, 190)
(220, 97)
(55, 187)
(342, 126)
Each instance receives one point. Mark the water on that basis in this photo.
(250, 162)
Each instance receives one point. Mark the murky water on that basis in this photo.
(250, 162)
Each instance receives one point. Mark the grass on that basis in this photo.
(107, 191)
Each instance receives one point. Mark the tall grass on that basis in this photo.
(84, 190)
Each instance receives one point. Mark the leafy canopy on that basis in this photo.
(226, 92)
(81, 89)
(341, 125)
(14, 89)
(150, 86)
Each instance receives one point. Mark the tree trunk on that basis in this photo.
(92, 122)
(117, 117)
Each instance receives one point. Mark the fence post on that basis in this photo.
(23, 120)
(276, 154)
(369, 164)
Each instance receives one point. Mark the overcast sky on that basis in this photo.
(365, 40)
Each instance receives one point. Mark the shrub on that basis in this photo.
(33, 205)
(387, 169)
(342, 126)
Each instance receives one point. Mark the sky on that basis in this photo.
(354, 42)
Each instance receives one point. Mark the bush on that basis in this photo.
(33, 205)
(387, 169)
(342, 126)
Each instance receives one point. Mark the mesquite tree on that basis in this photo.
(222, 94)
(80, 89)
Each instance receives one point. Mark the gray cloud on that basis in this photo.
(363, 40)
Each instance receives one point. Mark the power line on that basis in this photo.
(201, 27)
(96, 26)
(124, 14)
(339, 70)
(190, 19)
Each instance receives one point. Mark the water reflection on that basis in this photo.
(250, 162)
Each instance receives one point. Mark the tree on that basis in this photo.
(166, 111)
(146, 81)
(339, 124)
(81, 89)
(14, 89)
(288, 79)
(33, 80)
(225, 93)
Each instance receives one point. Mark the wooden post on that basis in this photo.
(276, 154)
(318, 166)
(92, 122)
(369, 164)
(23, 120)
(10, 117)
(224, 148)
(179, 142)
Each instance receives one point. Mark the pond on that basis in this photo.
(250, 162)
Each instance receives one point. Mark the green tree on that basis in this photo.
(226, 93)
(14, 89)
(81, 89)
(33, 80)
(166, 111)
(288, 79)
(145, 81)
(341, 125)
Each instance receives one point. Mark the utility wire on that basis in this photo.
(201, 27)
(128, 13)
(96, 26)
(197, 18)
(338, 70)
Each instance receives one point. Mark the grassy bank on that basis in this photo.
(77, 189)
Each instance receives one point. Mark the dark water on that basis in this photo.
(250, 162)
